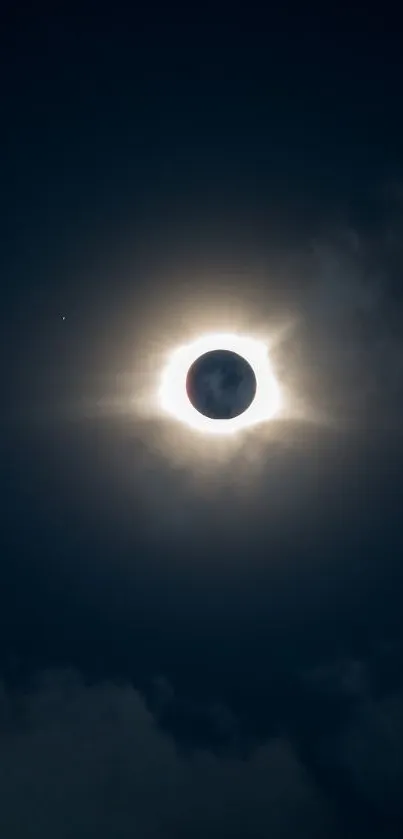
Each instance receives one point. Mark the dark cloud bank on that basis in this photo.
(81, 760)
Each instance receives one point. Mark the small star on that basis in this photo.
(63, 317)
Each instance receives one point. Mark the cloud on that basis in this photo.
(81, 760)
(360, 748)
(351, 327)
(89, 761)
(344, 678)
(371, 749)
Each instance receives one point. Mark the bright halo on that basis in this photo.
(175, 401)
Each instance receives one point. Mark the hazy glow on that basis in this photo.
(175, 401)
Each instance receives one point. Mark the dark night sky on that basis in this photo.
(196, 639)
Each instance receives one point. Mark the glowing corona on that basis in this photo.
(175, 401)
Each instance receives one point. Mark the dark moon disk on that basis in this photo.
(221, 384)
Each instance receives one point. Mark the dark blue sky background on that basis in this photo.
(194, 644)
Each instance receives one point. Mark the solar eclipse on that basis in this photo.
(220, 384)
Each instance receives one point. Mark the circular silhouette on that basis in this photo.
(221, 384)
